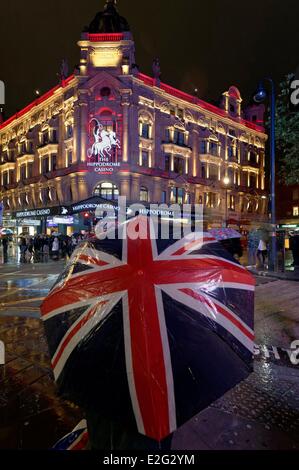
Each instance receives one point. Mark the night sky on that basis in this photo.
(205, 44)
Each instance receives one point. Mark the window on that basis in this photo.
(4, 157)
(45, 137)
(45, 165)
(232, 108)
(295, 211)
(179, 137)
(107, 191)
(5, 178)
(11, 176)
(210, 199)
(250, 207)
(22, 172)
(179, 164)
(203, 147)
(214, 148)
(145, 158)
(143, 194)
(167, 135)
(203, 170)
(54, 162)
(54, 136)
(295, 194)
(30, 147)
(213, 174)
(177, 195)
(163, 197)
(231, 175)
(69, 131)
(145, 130)
(231, 202)
(252, 156)
(230, 152)
(30, 170)
(69, 158)
(105, 92)
(252, 181)
(167, 162)
(22, 148)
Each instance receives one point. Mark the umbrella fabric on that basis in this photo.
(75, 440)
(150, 331)
(224, 233)
(6, 231)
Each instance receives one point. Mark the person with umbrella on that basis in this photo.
(145, 333)
(5, 241)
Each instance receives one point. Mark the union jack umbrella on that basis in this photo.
(150, 330)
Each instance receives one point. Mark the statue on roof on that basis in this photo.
(108, 21)
(64, 69)
(156, 70)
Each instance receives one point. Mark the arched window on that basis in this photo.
(143, 194)
(107, 191)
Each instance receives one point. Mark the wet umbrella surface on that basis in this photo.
(150, 331)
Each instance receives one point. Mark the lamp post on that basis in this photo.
(226, 182)
(260, 97)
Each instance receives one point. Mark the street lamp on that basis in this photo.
(226, 182)
(259, 97)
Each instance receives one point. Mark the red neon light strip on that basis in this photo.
(192, 99)
(106, 37)
(36, 102)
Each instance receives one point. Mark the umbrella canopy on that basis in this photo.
(6, 231)
(224, 233)
(150, 330)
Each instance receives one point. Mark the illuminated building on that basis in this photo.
(109, 130)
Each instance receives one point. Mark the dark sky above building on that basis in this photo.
(208, 45)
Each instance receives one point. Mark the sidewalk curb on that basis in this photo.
(279, 276)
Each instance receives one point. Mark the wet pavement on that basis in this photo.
(260, 413)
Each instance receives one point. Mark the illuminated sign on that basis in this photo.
(63, 220)
(44, 212)
(103, 146)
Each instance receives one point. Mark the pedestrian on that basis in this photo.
(23, 248)
(5, 249)
(46, 250)
(55, 249)
(294, 246)
(262, 253)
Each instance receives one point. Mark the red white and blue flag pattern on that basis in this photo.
(151, 330)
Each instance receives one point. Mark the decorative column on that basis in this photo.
(125, 187)
(83, 192)
(135, 188)
(83, 125)
(195, 154)
(77, 134)
(126, 104)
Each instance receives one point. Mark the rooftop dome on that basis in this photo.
(108, 21)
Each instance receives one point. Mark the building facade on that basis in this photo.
(109, 130)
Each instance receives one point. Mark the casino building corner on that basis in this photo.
(109, 130)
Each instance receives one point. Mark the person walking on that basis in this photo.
(262, 253)
(23, 248)
(5, 249)
(55, 249)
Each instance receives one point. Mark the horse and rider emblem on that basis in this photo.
(104, 141)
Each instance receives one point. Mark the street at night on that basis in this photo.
(262, 413)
